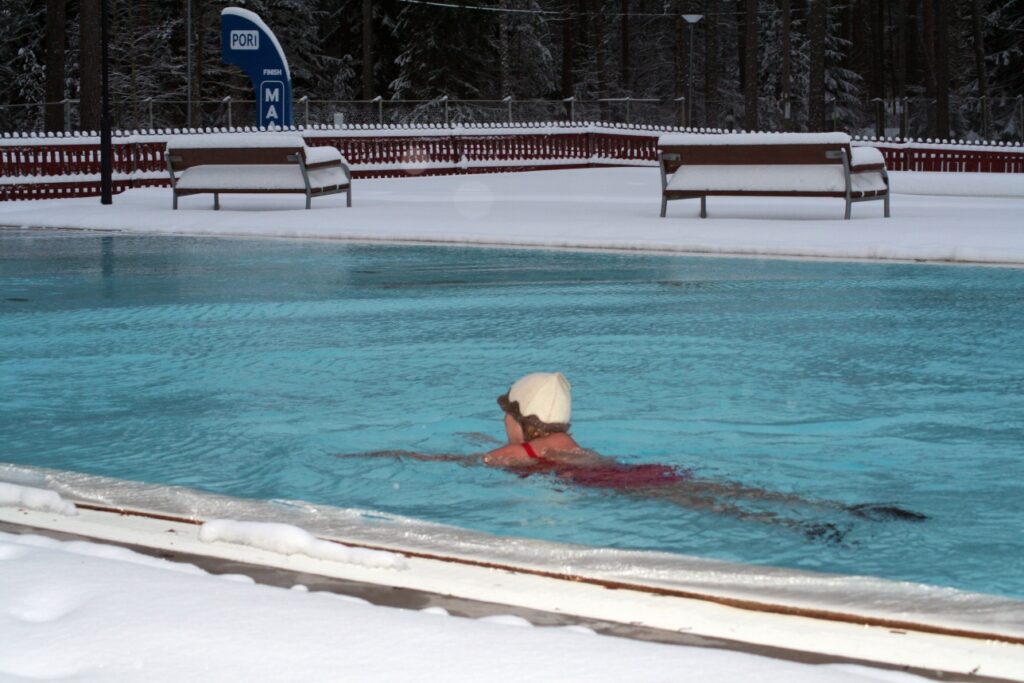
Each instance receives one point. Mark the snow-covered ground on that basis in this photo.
(970, 217)
(78, 611)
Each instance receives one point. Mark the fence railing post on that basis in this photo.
(508, 100)
(1020, 116)
(133, 181)
(879, 117)
(227, 101)
(682, 111)
(304, 100)
(444, 99)
(572, 108)
(984, 117)
(67, 114)
(380, 109)
(149, 103)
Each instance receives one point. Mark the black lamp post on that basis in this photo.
(106, 171)
(691, 20)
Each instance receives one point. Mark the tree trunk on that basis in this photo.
(787, 66)
(199, 53)
(941, 68)
(567, 50)
(505, 50)
(877, 85)
(597, 40)
(89, 64)
(627, 80)
(750, 66)
(900, 20)
(817, 25)
(711, 105)
(979, 62)
(878, 49)
(55, 39)
(927, 38)
(133, 61)
(857, 24)
(367, 41)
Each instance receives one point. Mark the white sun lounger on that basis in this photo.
(254, 164)
(695, 166)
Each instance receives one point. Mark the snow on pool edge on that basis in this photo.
(32, 498)
(287, 539)
(85, 612)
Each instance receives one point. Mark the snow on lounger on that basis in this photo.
(254, 163)
(773, 164)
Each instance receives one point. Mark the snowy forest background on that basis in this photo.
(935, 68)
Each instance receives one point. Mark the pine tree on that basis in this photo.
(445, 54)
(22, 75)
(842, 84)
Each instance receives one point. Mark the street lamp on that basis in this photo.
(106, 162)
(188, 63)
(691, 21)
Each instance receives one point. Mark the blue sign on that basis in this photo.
(245, 41)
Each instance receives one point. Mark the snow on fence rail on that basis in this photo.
(42, 167)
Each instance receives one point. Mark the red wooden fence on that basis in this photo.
(40, 168)
(944, 159)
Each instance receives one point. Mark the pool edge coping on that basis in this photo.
(662, 250)
(891, 643)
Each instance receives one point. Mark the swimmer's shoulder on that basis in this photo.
(511, 455)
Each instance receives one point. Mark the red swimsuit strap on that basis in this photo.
(530, 451)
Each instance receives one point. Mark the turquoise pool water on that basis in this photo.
(248, 367)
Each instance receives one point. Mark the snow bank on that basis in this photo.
(286, 539)
(96, 617)
(41, 500)
(1008, 185)
(755, 139)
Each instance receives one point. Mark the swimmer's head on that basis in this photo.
(540, 402)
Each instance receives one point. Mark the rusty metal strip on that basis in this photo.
(738, 603)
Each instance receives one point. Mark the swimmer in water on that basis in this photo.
(538, 409)
(537, 412)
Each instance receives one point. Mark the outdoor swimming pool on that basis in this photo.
(247, 367)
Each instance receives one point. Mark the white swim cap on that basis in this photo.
(544, 395)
